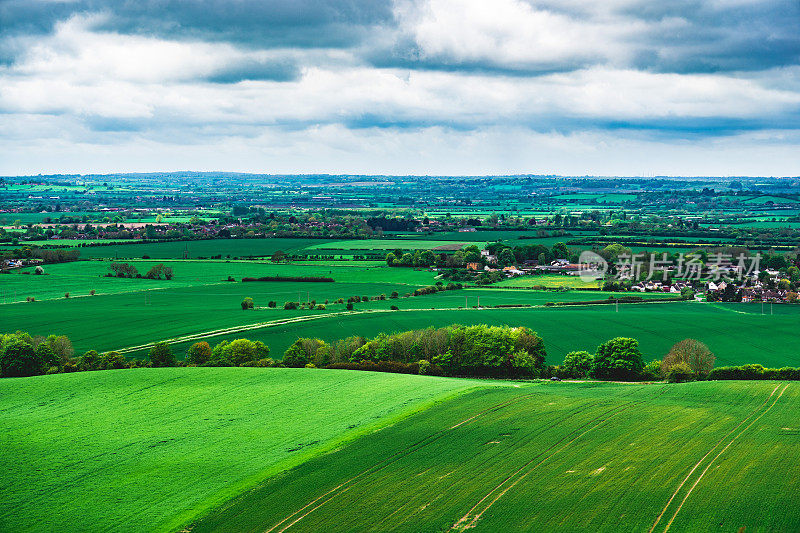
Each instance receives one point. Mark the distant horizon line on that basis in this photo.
(222, 173)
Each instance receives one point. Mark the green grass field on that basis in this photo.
(205, 248)
(548, 280)
(78, 278)
(727, 329)
(150, 449)
(389, 244)
(553, 457)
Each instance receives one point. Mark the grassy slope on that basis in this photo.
(557, 457)
(141, 450)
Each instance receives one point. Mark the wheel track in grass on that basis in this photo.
(430, 439)
(294, 320)
(378, 466)
(697, 465)
(320, 501)
(703, 473)
(470, 519)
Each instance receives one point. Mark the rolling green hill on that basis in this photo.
(149, 449)
(554, 457)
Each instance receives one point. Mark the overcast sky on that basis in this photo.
(608, 87)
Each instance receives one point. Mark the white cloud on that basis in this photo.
(86, 94)
(515, 34)
(429, 151)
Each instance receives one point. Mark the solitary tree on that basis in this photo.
(199, 353)
(618, 358)
(506, 257)
(161, 355)
(694, 353)
(578, 364)
(247, 303)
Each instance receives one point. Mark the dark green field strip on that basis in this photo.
(78, 278)
(149, 449)
(205, 248)
(107, 322)
(737, 334)
(560, 458)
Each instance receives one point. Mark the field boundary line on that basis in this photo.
(248, 327)
(391, 458)
(678, 510)
(697, 465)
(380, 465)
(462, 523)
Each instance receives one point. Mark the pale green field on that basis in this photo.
(150, 449)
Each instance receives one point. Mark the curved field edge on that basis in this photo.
(231, 493)
(563, 457)
(150, 449)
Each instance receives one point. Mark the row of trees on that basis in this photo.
(456, 350)
(621, 359)
(23, 355)
(127, 270)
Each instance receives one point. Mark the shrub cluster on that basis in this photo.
(754, 372)
(433, 289)
(22, 355)
(618, 359)
(239, 352)
(157, 271)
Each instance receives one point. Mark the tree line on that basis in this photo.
(455, 350)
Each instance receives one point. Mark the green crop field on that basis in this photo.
(238, 449)
(203, 248)
(548, 280)
(726, 328)
(766, 199)
(553, 457)
(248, 444)
(78, 278)
(149, 449)
(69, 243)
(126, 313)
(390, 244)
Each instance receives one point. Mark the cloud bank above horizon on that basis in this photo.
(622, 87)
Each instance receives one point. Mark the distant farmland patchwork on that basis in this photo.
(266, 448)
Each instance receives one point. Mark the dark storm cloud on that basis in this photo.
(256, 70)
(720, 36)
(258, 23)
(713, 36)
